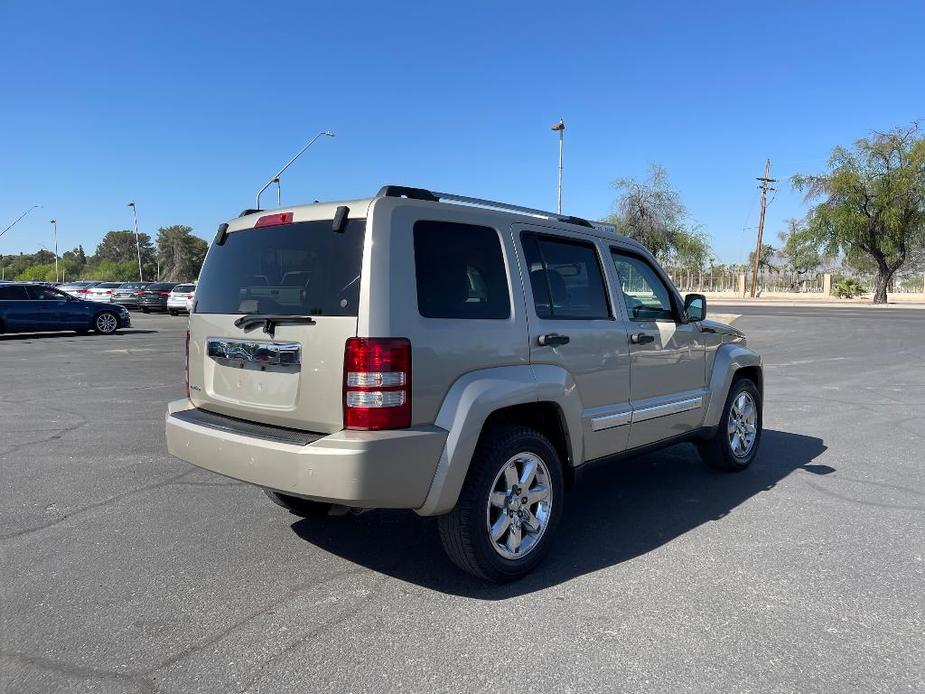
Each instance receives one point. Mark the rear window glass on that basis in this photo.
(292, 269)
(180, 288)
(460, 271)
(161, 286)
(12, 293)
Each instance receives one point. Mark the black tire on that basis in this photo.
(298, 506)
(145, 309)
(717, 451)
(171, 312)
(464, 531)
(106, 323)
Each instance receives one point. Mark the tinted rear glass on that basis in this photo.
(133, 285)
(293, 269)
(460, 271)
(181, 288)
(161, 286)
(12, 293)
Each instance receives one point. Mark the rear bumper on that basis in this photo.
(383, 469)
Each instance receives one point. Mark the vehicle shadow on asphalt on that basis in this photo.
(13, 337)
(615, 513)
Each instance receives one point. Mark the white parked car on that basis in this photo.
(101, 292)
(181, 298)
(78, 289)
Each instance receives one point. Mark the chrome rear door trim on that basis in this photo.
(240, 352)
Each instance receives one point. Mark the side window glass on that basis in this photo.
(459, 270)
(646, 296)
(45, 294)
(566, 278)
(12, 293)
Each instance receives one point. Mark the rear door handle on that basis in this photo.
(552, 340)
(641, 338)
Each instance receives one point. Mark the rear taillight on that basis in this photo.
(108, 291)
(164, 293)
(377, 383)
(186, 365)
(137, 293)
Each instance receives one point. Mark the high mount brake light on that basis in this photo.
(377, 383)
(272, 220)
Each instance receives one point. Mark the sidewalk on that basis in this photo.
(910, 301)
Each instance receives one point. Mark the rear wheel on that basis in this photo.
(106, 323)
(299, 506)
(735, 444)
(172, 312)
(509, 506)
(145, 309)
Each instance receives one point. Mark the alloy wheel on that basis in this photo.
(519, 506)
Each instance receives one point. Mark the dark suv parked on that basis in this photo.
(154, 296)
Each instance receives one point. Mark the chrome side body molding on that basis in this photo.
(628, 416)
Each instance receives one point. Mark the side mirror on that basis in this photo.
(695, 307)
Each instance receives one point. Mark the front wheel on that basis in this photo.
(509, 506)
(106, 323)
(735, 444)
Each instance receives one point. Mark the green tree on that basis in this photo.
(119, 247)
(799, 249)
(181, 254)
(76, 256)
(872, 202)
(651, 211)
(766, 260)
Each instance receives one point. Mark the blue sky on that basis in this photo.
(188, 107)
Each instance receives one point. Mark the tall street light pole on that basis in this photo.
(54, 222)
(560, 128)
(275, 179)
(137, 244)
(16, 221)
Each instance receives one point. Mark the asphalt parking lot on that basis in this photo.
(124, 570)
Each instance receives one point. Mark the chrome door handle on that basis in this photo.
(552, 340)
(641, 338)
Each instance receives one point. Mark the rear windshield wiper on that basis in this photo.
(269, 321)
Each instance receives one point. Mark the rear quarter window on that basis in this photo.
(459, 271)
(13, 293)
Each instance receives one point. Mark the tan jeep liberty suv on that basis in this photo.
(455, 356)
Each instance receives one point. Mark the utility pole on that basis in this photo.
(765, 185)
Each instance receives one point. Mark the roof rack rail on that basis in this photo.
(406, 192)
(433, 196)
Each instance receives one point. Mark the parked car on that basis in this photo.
(128, 294)
(79, 288)
(459, 357)
(36, 308)
(154, 296)
(101, 292)
(180, 297)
